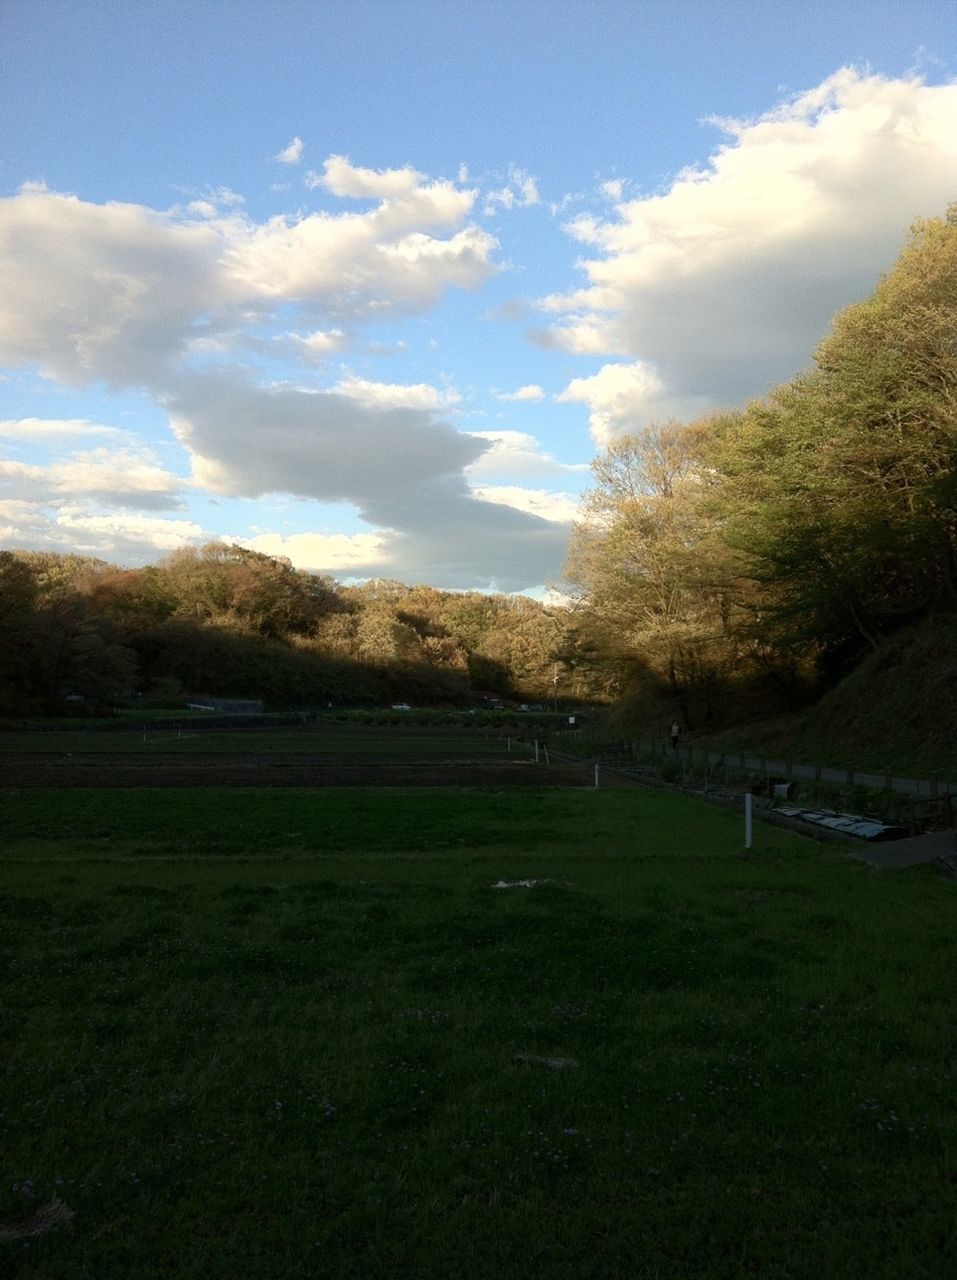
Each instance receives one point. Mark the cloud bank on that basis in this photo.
(703, 293)
(721, 285)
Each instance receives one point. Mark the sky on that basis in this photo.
(368, 283)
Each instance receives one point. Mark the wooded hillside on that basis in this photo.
(747, 560)
(230, 621)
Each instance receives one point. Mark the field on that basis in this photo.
(328, 753)
(457, 1032)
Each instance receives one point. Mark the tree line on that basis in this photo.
(745, 560)
(226, 620)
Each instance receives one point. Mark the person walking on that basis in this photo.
(675, 734)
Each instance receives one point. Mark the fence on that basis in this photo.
(927, 798)
(786, 770)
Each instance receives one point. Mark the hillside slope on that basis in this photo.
(897, 710)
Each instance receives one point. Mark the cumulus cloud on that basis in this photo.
(560, 508)
(530, 392)
(291, 154)
(622, 397)
(111, 291)
(128, 294)
(389, 395)
(722, 284)
(357, 554)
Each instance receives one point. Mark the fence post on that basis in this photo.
(596, 773)
(747, 820)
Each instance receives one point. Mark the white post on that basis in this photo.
(536, 751)
(747, 820)
(596, 773)
(545, 749)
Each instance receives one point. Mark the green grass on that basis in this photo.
(281, 1034)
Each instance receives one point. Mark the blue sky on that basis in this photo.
(368, 284)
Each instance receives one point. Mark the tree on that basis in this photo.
(655, 582)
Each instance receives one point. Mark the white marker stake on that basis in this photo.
(536, 751)
(747, 820)
(596, 773)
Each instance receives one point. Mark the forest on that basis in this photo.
(720, 569)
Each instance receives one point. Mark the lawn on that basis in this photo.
(306, 1034)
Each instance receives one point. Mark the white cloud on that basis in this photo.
(127, 294)
(343, 178)
(110, 291)
(388, 395)
(321, 343)
(332, 553)
(617, 396)
(291, 154)
(122, 477)
(39, 429)
(121, 537)
(560, 508)
(530, 392)
(126, 476)
(519, 192)
(581, 336)
(722, 284)
(125, 536)
(514, 454)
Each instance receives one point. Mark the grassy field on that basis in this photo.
(306, 1034)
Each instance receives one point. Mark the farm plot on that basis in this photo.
(327, 754)
(432, 1033)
